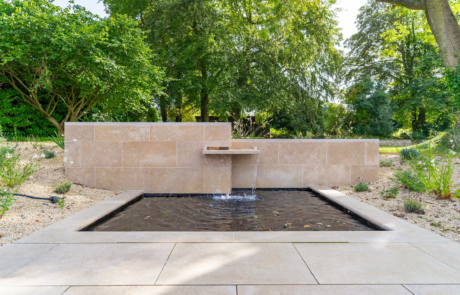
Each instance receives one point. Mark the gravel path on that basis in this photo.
(441, 216)
(27, 215)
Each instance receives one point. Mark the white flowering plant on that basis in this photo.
(436, 176)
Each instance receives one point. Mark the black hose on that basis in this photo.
(53, 199)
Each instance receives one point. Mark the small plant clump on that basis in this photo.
(408, 180)
(386, 163)
(6, 200)
(390, 193)
(409, 153)
(361, 186)
(49, 154)
(413, 206)
(61, 202)
(59, 140)
(63, 187)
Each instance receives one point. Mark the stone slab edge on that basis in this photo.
(67, 230)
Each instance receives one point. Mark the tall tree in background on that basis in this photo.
(395, 47)
(234, 56)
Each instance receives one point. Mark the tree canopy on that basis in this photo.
(233, 56)
(53, 56)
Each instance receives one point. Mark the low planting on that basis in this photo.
(361, 186)
(413, 206)
(408, 180)
(390, 193)
(63, 187)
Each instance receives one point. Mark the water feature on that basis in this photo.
(266, 210)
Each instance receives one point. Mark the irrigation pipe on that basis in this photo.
(53, 199)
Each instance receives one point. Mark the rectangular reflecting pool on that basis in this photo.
(266, 210)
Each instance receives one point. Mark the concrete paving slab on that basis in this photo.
(434, 289)
(150, 290)
(375, 263)
(14, 256)
(446, 252)
(35, 290)
(322, 290)
(231, 264)
(88, 264)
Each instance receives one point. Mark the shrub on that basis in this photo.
(13, 173)
(409, 153)
(408, 180)
(386, 163)
(63, 187)
(361, 186)
(49, 154)
(390, 193)
(413, 206)
(6, 200)
(436, 178)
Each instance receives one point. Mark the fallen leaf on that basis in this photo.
(320, 223)
(306, 226)
(147, 217)
(36, 220)
(275, 212)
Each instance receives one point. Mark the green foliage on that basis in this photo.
(17, 117)
(436, 178)
(69, 57)
(49, 154)
(386, 163)
(361, 186)
(237, 57)
(63, 187)
(413, 206)
(6, 200)
(408, 180)
(61, 202)
(409, 153)
(59, 140)
(13, 173)
(337, 120)
(390, 193)
(371, 108)
(394, 45)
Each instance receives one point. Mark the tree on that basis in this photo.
(394, 46)
(443, 24)
(372, 109)
(54, 56)
(243, 56)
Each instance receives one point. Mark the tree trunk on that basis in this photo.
(204, 106)
(443, 24)
(164, 111)
(446, 30)
(204, 97)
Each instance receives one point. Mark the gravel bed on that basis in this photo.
(441, 216)
(28, 215)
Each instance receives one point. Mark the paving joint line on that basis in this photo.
(433, 256)
(305, 263)
(408, 289)
(66, 290)
(165, 264)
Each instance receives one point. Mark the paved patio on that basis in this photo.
(60, 260)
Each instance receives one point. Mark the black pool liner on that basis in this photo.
(137, 222)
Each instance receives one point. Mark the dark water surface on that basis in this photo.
(281, 210)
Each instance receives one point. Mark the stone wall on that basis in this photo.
(285, 163)
(167, 158)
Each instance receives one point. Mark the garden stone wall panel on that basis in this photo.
(168, 158)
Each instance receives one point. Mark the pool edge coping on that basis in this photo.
(67, 231)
